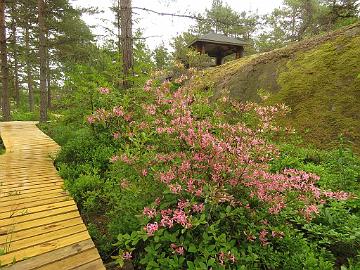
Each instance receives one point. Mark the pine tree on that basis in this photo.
(42, 58)
(126, 40)
(4, 65)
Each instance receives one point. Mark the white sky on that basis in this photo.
(165, 27)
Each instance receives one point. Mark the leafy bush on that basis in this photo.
(228, 198)
(213, 188)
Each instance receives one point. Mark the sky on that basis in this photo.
(161, 29)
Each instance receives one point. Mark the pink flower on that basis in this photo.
(148, 84)
(150, 109)
(104, 90)
(149, 212)
(128, 117)
(114, 158)
(175, 188)
(166, 221)
(144, 172)
(178, 249)
(157, 201)
(309, 210)
(275, 234)
(180, 218)
(198, 192)
(91, 119)
(118, 111)
(167, 177)
(151, 228)
(124, 158)
(221, 257)
(262, 237)
(116, 135)
(124, 184)
(198, 208)
(127, 256)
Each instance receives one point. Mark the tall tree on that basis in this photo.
(42, 58)
(161, 56)
(15, 52)
(126, 40)
(48, 72)
(4, 65)
(29, 76)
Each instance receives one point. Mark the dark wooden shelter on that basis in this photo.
(218, 46)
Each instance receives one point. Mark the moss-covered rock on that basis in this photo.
(317, 78)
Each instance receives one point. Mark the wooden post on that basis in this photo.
(198, 48)
(219, 60)
(239, 52)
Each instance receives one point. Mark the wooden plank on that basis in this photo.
(74, 261)
(30, 184)
(56, 255)
(38, 222)
(28, 192)
(43, 248)
(14, 197)
(95, 265)
(30, 188)
(34, 241)
(35, 216)
(26, 179)
(32, 199)
(15, 236)
(22, 206)
(31, 210)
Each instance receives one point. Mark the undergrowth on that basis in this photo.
(112, 193)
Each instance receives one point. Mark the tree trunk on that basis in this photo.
(42, 57)
(15, 55)
(28, 68)
(126, 40)
(48, 74)
(4, 65)
(118, 22)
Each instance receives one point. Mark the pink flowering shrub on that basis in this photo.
(219, 204)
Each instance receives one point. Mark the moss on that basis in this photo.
(317, 78)
(322, 88)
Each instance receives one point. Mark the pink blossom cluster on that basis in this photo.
(150, 109)
(104, 90)
(151, 228)
(224, 257)
(148, 84)
(127, 256)
(215, 161)
(177, 249)
(236, 156)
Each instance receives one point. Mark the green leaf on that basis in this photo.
(211, 262)
(192, 248)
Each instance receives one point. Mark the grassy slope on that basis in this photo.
(319, 79)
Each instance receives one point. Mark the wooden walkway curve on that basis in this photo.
(40, 225)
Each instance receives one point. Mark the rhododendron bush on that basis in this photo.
(220, 204)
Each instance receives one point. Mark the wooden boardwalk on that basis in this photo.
(40, 226)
